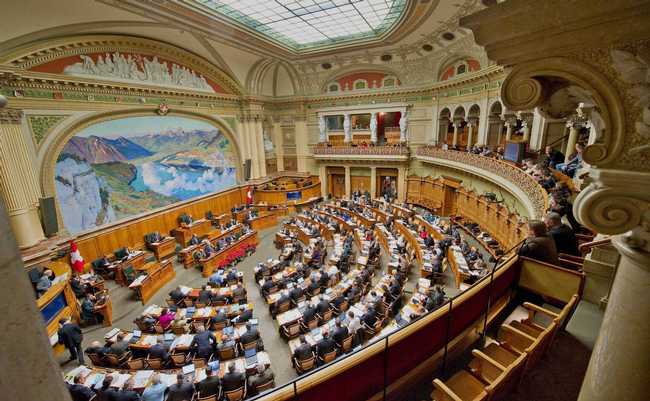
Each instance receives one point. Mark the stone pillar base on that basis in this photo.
(27, 228)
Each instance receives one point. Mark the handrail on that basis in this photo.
(558, 140)
(587, 246)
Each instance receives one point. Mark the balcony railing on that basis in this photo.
(517, 176)
(370, 150)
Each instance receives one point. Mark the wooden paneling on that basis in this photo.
(131, 232)
(279, 197)
(361, 183)
(503, 225)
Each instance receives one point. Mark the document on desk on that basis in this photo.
(149, 340)
(141, 378)
(81, 369)
(119, 379)
(167, 378)
(138, 281)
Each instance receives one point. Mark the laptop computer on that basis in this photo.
(251, 356)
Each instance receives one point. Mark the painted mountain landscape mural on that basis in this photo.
(119, 168)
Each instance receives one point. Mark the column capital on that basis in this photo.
(11, 116)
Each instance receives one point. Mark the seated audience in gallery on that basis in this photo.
(574, 163)
(552, 157)
(563, 235)
(538, 244)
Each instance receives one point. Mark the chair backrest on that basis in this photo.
(199, 305)
(327, 315)
(208, 398)
(265, 386)
(306, 364)
(226, 353)
(293, 329)
(112, 360)
(344, 306)
(178, 330)
(329, 357)
(346, 345)
(312, 324)
(179, 359)
(199, 362)
(170, 302)
(154, 363)
(129, 273)
(250, 345)
(197, 325)
(120, 253)
(284, 306)
(158, 329)
(218, 326)
(536, 350)
(96, 359)
(235, 395)
(188, 302)
(508, 380)
(135, 363)
(513, 339)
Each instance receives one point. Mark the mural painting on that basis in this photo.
(123, 167)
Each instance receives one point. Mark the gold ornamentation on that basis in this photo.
(11, 116)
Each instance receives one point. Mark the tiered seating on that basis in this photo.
(497, 369)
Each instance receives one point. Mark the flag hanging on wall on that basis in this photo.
(249, 196)
(76, 260)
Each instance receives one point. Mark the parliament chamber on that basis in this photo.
(349, 200)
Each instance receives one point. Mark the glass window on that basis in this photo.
(360, 84)
(461, 69)
(389, 82)
(306, 24)
(334, 88)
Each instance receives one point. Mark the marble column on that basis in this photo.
(454, 141)
(259, 141)
(509, 126)
(373, 127)
(526, 129)
(302, 146)
(348, 183)
(619, 366)
(401, 184)
(19, 187)
(29, 370)
(470, 134)
(571, 142)
(322, 175)
(279, 145)
(373, 182)
(347, 130)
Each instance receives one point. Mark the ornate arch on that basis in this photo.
(49, 153)
(34, 55)
(358, 68)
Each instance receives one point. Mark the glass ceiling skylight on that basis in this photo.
(306, 24)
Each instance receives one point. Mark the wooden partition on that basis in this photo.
(280, 197)
(550, 281)
(131, 232)
(502, 224)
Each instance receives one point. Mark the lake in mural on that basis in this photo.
(119, 168)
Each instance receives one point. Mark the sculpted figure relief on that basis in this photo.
(140, 69)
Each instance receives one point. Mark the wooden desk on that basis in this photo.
(106, 310)
(264, 221)
(325, 231)
(212, 263)
(199, 228)
(164, 248)
(187, 254)
(136, 260)
(299, 233)
(278, 210)
(158, 274)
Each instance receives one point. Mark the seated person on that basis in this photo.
(166, 318)
(146, 322)
(205, 296)
(370, 317)
(266, 287)
(45, 282)
(120, 347)
(78, 391)
(309, 313)
(538, 245)
(88, 310)
(250, 335)
(244, 316)
(159, 351)
(78, 287)
(563, 235)
(284, 298)
(194, 240)
(239, 292)
(302, 351)
(232, 276)
(181, 390)
(211, 385)
(208, 249)
(177, 295)
(220, 317)
(185, 219)
(217, 278)
(97, 348)
(326, 344)
(340, 332)
(233, 380)
(127, 393)
(323, 306)
(263, 376)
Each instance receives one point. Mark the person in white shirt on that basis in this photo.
(155, 391)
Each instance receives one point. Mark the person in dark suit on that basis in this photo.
(325, 345)
(181, 390)
(127, 393)
(97, 348)
(296, 293)
(263, 376)
(539, 245)
(553, 157)
(203, 343)
(370, 317)
(563, 235)
(337, 300)
(70, 336)
(268, 284)
(211, 385)
(194, 240)
(244, 316)
(120, 346)
(340, 332)
(106, 392)
(303, 351)
(177, 295)
(205, 296)
(323, 305)
(284, 298)
(78, 391)
(233, 380)
(220, 317)
(251, 334)
(309, 313)
(159, 351)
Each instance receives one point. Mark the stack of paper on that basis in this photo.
(141, 378)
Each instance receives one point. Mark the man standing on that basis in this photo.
(70, 336)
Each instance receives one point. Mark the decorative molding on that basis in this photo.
(42, 125)
(11, 116)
